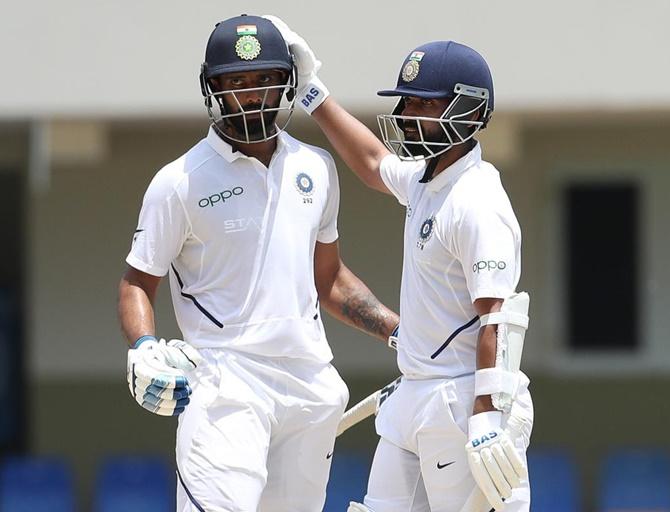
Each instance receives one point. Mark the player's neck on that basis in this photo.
(453, 155)
(261, 151)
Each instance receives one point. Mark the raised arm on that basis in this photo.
(361, 150)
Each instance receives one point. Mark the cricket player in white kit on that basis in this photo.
(460, 421)
(245, 224)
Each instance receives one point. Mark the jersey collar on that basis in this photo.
(225, 150)
(473, 157)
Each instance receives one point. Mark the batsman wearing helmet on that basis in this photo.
(245, 224)
(459, 424)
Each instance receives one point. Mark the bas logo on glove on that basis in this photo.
(156, 374)
(310, 96)
(483, 439)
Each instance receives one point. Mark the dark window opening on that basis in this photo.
(12, 379)
(601, 227)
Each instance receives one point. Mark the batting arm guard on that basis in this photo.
(502, 381)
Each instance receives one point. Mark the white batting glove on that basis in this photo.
(494, 462)
(311, 91)
(156, 374)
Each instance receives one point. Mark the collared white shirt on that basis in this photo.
(238, 241)
(462, 242)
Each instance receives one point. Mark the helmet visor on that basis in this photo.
(415, 138)
(258, 121)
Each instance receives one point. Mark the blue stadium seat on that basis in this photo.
(134, 484)
(635, 479)
(554, 481)
(348, 480)
(36, 484)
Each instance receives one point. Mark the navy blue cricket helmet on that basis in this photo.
(240, 44)
(440, 69)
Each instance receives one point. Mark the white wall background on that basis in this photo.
(132, 58)
(76, 58)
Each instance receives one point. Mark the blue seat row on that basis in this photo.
(123, 484)
(630, 480)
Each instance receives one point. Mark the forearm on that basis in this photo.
(360, 149)
(351, 302)
(486, 358)
(135, 311)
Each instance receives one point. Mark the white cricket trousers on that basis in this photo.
(258, 434)
(421, 464)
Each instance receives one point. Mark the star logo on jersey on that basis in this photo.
(425, 232)
(304, 183)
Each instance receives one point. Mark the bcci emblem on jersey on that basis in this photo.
(426, 231)
(304, 184)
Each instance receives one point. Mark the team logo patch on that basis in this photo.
(425, 232)
(410, 71)
(304, 184)
(248, 47)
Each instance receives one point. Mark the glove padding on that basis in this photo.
(156, 375)
(494, 461)
(310, 91)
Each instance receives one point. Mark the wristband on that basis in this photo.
(312, 95)
(144, 338)
(495, 380)
(393, 338)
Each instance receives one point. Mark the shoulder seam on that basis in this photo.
(176, 185)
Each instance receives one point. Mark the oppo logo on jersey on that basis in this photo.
(488, 265)
(310, 96)
(221, 197)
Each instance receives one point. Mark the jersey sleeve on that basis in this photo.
(488, 244)
(397, 175)
(328, 226)
(161, 230)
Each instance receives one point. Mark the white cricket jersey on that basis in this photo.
(462, 242)
(238, 241)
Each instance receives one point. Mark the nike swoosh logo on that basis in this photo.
(329, 455)
(442, 466)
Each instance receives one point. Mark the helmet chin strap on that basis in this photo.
(430, 169)
(432, 163)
